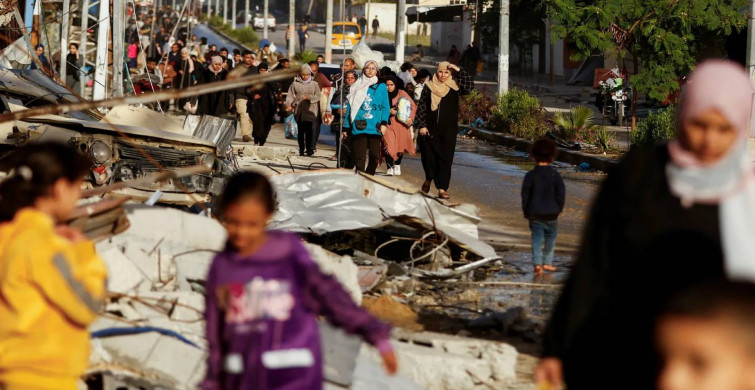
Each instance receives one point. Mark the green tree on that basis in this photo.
(664, 38)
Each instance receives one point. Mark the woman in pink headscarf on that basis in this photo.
(666, 218)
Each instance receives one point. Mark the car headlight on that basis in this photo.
(207, 160)
(100, 152)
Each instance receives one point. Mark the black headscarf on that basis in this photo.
(395, 80)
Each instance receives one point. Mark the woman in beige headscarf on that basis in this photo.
(437, 119)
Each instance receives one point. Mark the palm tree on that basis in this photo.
(577, 123)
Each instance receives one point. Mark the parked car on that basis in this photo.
(259, 21)
(346, 35)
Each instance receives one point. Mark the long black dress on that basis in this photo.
(217, 103)
(438, 148)
(183, 78)
(640, 247)
(261, 111)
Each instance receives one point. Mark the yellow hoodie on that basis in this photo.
(50, 290)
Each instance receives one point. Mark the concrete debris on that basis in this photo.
(267, 153)
(129, 276)
(158, 267)
(341, 267)
(477, 364)
(512, 322)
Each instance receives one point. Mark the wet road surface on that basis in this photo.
(490, 176)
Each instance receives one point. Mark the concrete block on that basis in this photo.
(474, 361)
(143, 261)
(189, 307)
(131, 350)
(123, 275)
(153, 224)
(176, 360)
(194, 266)
(341, 267)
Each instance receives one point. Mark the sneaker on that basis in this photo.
(247, 138)
(397, 170)
(389, 171)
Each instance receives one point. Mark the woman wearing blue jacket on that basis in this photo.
(367, 115)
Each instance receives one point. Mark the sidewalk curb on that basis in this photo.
(565, 155)
(226, 36)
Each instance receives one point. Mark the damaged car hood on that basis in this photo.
(113, 129)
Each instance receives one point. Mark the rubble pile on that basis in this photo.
(152, 330)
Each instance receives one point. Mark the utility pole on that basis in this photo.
(233, 14)
(265, 10)
(400, 30)
(751, 54)
(291, 28)
(100, 68)
(369, 21)
(64, 39)
(329, 32)
(503, 47)
(225, 11)
(119, 30)
(246, 13)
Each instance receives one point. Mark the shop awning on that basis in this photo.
(432, 14)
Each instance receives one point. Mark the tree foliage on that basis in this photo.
(665, 37)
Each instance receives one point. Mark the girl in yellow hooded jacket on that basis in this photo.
(51, 281)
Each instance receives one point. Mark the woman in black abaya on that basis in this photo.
(437, 120)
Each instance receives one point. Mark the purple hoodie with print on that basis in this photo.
(267, 303)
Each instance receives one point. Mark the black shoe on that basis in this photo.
(310, 154)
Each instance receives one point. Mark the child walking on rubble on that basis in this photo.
(264, 293)
(51, 281)
(543, 197)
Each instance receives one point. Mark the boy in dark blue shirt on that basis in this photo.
(543, 197)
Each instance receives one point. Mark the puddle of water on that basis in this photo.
(510, 162)
(539, 301)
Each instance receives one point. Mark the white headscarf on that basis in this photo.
(358, 90)
(216, 60)
(729, 182)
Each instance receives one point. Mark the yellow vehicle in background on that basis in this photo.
(345, 35)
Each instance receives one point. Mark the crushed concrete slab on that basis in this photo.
(267, 153)
(478, 364)
(128, 275)
(177, 361)
(341, 267)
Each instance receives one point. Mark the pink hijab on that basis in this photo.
(726, 87)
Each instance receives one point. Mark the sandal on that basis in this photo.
(426, 186)
(538, 270)
(549, 268)
(443, 194)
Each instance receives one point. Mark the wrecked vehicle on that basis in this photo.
(121, 152)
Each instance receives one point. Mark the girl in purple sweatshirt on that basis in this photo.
(264, 293)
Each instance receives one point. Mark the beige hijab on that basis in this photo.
(439, 89)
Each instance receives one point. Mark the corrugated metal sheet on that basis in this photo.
(220, 131)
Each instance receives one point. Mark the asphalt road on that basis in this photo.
(486, 175)
(490, 177)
